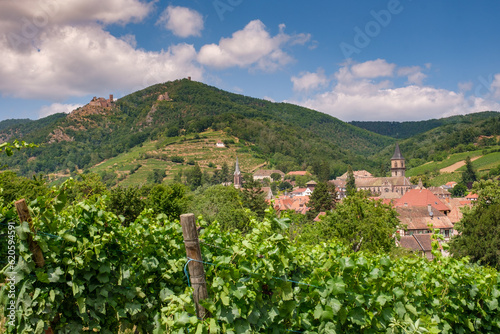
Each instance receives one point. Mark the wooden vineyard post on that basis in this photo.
(24, 216)
(196, 270)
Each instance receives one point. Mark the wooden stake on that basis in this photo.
(24, 216)
(196, 270)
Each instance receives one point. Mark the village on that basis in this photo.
(419, 208)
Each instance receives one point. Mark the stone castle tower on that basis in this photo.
(237, 175)
(398, 167)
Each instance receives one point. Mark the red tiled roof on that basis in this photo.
(421, 197)
(472, 196)
(418, 218)
(417, 242)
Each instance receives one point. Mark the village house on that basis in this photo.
(471, 197)
(220, 144)
(301, 192)
(419, 243)
(357, 174)
(419, 219)
(262, 174)
(422, 198)
(294, 203)
(441, 193)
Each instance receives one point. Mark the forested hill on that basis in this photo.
(403, 130)
(272, 131)
(481, 132)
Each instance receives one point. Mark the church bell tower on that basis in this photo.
(237, 175)
(398, 167)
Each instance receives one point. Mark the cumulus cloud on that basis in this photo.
(307, 81)
(24, 17)
(55, 108)
(495, 85)
(182, 21)
(373, 69)
(355, 97)
(251, 46)
(66, 58)
(413, 73)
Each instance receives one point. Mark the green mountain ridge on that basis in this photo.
(282, 135)
(405, 130)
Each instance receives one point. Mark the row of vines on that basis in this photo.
(102, 275)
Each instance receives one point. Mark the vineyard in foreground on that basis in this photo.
(107, 275)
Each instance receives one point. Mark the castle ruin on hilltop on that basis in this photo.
(102, 102)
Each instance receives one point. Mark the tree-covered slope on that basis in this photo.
(276, 131)
(404, 130)
(480, 132)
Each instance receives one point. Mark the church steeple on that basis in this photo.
(237, 175)
(398, 167)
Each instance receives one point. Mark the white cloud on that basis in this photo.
(495, 86)
(26, 16)
(252, 46)
(354, 97)
(81, 60)
(413, 73)
(465, 86)
(130, 40)
(182, 21)
(307, 81)
(373, 69)
(55, 108)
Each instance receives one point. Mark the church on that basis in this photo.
(394, 186)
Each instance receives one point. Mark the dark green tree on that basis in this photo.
(156, 176)
(324, 171)
(15, 187)
(459, 190)
(285, 185)
(194, 177)
(254, 198)
(469, 176)
(359, 222)
(322, 199)
(221, 204)
(276, 176)
(350, 182)
(479, 228)
(88, 186)
(225, 176)
(127, 202)
(171, 200)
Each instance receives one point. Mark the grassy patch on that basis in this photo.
(437, 165)
(486, 163)
(444, 178)
(201, 150)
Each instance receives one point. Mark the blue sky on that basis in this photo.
(355, 60)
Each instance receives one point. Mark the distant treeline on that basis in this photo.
(404, 130)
